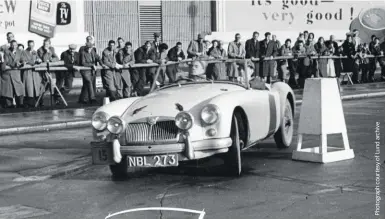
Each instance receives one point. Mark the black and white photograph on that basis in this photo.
(192, 109)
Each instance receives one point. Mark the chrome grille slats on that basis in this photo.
(143, 132)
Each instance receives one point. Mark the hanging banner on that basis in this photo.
(42, 17)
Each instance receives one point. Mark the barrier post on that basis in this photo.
(322, 114)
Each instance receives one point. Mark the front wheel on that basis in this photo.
(233, 157)
(283, 136)
(120, 170)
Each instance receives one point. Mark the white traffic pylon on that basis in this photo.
(106, 100)
(322, 114)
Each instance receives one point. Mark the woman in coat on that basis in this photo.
(216, 71)
(321, 50)
(349, 51)
(32, 80)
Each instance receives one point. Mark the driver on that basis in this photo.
(256, 83)
(197, 72)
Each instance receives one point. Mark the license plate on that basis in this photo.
(165, 160)
(102, 155)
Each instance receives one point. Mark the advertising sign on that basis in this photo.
(300, 15)
(63, 13)
(42, 17)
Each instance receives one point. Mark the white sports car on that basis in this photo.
(190, 121)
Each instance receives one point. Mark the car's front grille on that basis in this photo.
(144, 132)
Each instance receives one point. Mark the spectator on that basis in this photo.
(337, 62)
(196, 48)
(175, 54)
(322, 50)
(144, 54)
(162, 58)
(47, 53)
(311, 39)
(349, 51)
(156, 43)
(83, 97)
(219, 69)
(108, 74)
(64, 82)
(5, 47)
(305, 34)
(126, 59)
(252, 51)
(278, 46)
(11, 84)
(362, 62)
(235, 51)
(121, 44)
(310, 65)
(376, 50)
(20, 47)
(330, 62)
(298, 63)
(286, 64)
(207, 47)
(31, 79)
(268, 49)
(300, 39)
(89, 59)
(356, 39)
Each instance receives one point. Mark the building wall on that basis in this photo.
(108, 20)
(181, 21)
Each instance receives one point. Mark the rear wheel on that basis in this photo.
(120, 170)
(232, 159)
(283, 136)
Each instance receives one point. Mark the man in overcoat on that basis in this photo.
(32, 79)
(89, 59)
(70, 58)
(196, 48)
(11, 83)
(236, 50)
(252, 51)
(268, 49)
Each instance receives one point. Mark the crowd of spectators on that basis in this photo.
(24, 86)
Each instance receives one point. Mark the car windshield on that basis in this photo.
(196, 72)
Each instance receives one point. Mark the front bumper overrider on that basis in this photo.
(187, 150)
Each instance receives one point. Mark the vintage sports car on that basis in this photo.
(189, 121)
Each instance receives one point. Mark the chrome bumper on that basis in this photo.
(190, 149)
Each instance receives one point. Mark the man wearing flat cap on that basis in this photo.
(64, 82)
(156, 43)
(196, 48)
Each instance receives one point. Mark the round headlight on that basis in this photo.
(210, 114)
(115, 125)
(99, 121)
(184, 120)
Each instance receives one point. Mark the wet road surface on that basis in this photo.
(272, 185)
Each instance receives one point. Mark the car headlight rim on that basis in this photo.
(184, 120)
(210, 114)
(115, 125)
(99, 121)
